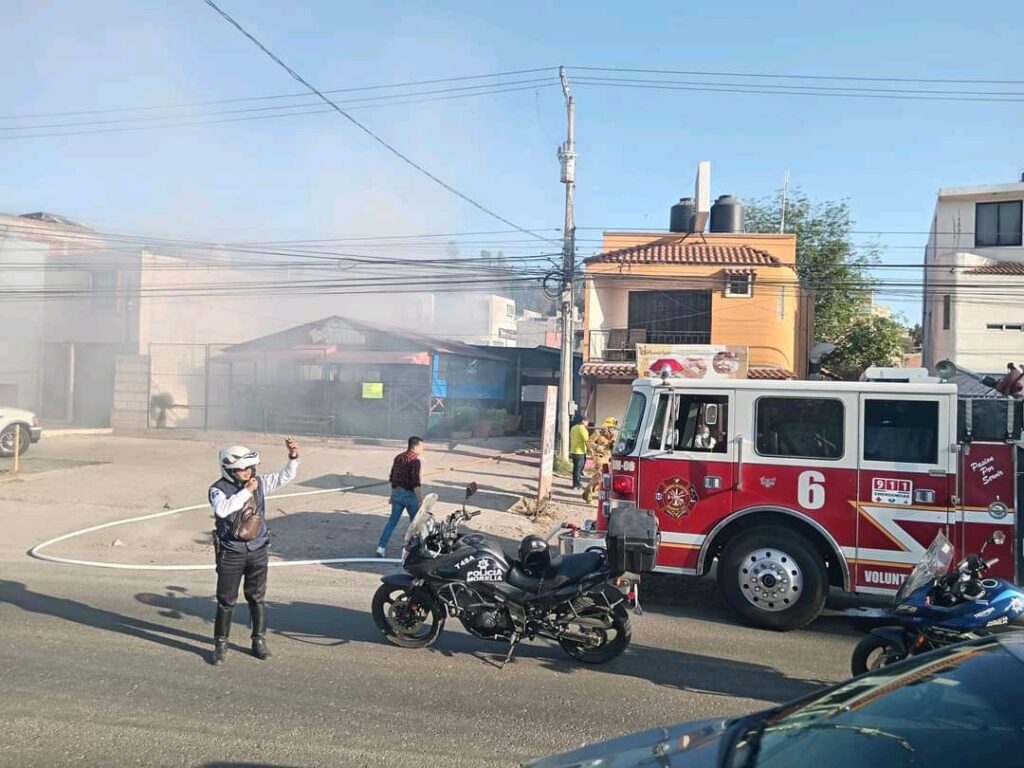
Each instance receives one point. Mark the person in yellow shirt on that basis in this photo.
(579, 436)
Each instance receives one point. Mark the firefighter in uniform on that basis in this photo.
(600, 451)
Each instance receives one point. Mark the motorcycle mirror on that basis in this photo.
(998, 538)
(471, 489)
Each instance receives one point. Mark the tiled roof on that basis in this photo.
(674, 251)
(609, 370)
(627, 372)
(1004, 268)
(767, 373)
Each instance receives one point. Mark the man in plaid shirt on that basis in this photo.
(406, 491)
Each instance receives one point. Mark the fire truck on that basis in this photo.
(793, 487)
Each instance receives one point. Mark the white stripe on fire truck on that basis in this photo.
(682, 539)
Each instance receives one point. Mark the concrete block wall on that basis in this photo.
(131, 393)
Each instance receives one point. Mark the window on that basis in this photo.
(1004, 326)
(800, 427)
(997, 223)
(510, 310)
(671, 317)
(739, 286)
(701, 424)
(658, 430)
(947, 305)
(629, 430)
(903, 431)
(104, 289)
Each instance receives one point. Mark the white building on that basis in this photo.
(973, 312)
(476, 318)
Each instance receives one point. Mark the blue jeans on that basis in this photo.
(401, 499)
(579, 461)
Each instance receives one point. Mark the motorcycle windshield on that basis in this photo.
(933, 564)
(424, 520)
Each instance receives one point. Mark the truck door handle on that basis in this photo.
(712, 482)
(924, 496)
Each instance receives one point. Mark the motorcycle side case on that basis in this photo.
(632, 540)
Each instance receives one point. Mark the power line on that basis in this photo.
(771, 90)
(811, 88)
(484, 90)
(706, 73)
(215, 102)
(278, 115)
(296, 76)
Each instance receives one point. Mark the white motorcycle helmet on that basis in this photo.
(237, 457)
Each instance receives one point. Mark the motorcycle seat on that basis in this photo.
(561, 572)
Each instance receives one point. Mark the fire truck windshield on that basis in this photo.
(629, 430)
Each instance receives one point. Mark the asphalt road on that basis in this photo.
(103, 668)
(110, 668)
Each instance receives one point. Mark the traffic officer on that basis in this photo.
(241, 539)
(600, 450)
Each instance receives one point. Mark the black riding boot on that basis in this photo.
(259, 631)
(221, 631)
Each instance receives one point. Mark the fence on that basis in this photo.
(193, 386)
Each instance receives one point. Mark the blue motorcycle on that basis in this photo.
(936, 607)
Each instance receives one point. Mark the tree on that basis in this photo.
(827, 261)
(916, 337)
(867, 341)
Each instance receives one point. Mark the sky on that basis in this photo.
(317, 175)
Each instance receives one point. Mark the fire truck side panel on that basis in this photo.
(907, 484)
(988, 483)
(811, 476)
(690, 488)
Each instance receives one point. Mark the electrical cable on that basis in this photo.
(391, 148)
(214, 102)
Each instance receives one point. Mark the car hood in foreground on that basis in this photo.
(692, 745)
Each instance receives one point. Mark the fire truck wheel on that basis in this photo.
(773, 578)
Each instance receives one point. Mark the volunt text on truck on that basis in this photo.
(793, 487)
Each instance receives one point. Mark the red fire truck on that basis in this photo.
(797, 486)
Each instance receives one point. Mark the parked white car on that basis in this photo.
(10, 418)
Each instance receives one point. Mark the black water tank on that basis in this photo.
(683, 213)
(727, 215)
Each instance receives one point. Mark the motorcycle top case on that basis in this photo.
(632, 540)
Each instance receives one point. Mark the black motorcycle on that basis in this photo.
(500, 595)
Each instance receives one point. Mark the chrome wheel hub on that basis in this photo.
(770, 579)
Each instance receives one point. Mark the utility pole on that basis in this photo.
(567, 158)
(785, 191)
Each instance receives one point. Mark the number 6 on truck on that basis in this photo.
(810, 490)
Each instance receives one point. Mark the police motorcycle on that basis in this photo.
(936, 607)
(497, 594)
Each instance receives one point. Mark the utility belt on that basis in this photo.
(218, 545)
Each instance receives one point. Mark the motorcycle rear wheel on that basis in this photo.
(873, 653)
(402, 619)
(614, 640)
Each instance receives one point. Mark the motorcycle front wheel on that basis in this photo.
(607, 641)
(872, 653)
(405, 620)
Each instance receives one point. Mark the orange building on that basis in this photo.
(735, 289)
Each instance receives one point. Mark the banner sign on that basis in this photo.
(547, 446)
(373, 390)
(691, 361)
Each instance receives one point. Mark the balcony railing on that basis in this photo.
(619, 344)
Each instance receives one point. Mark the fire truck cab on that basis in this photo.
(793, 487)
